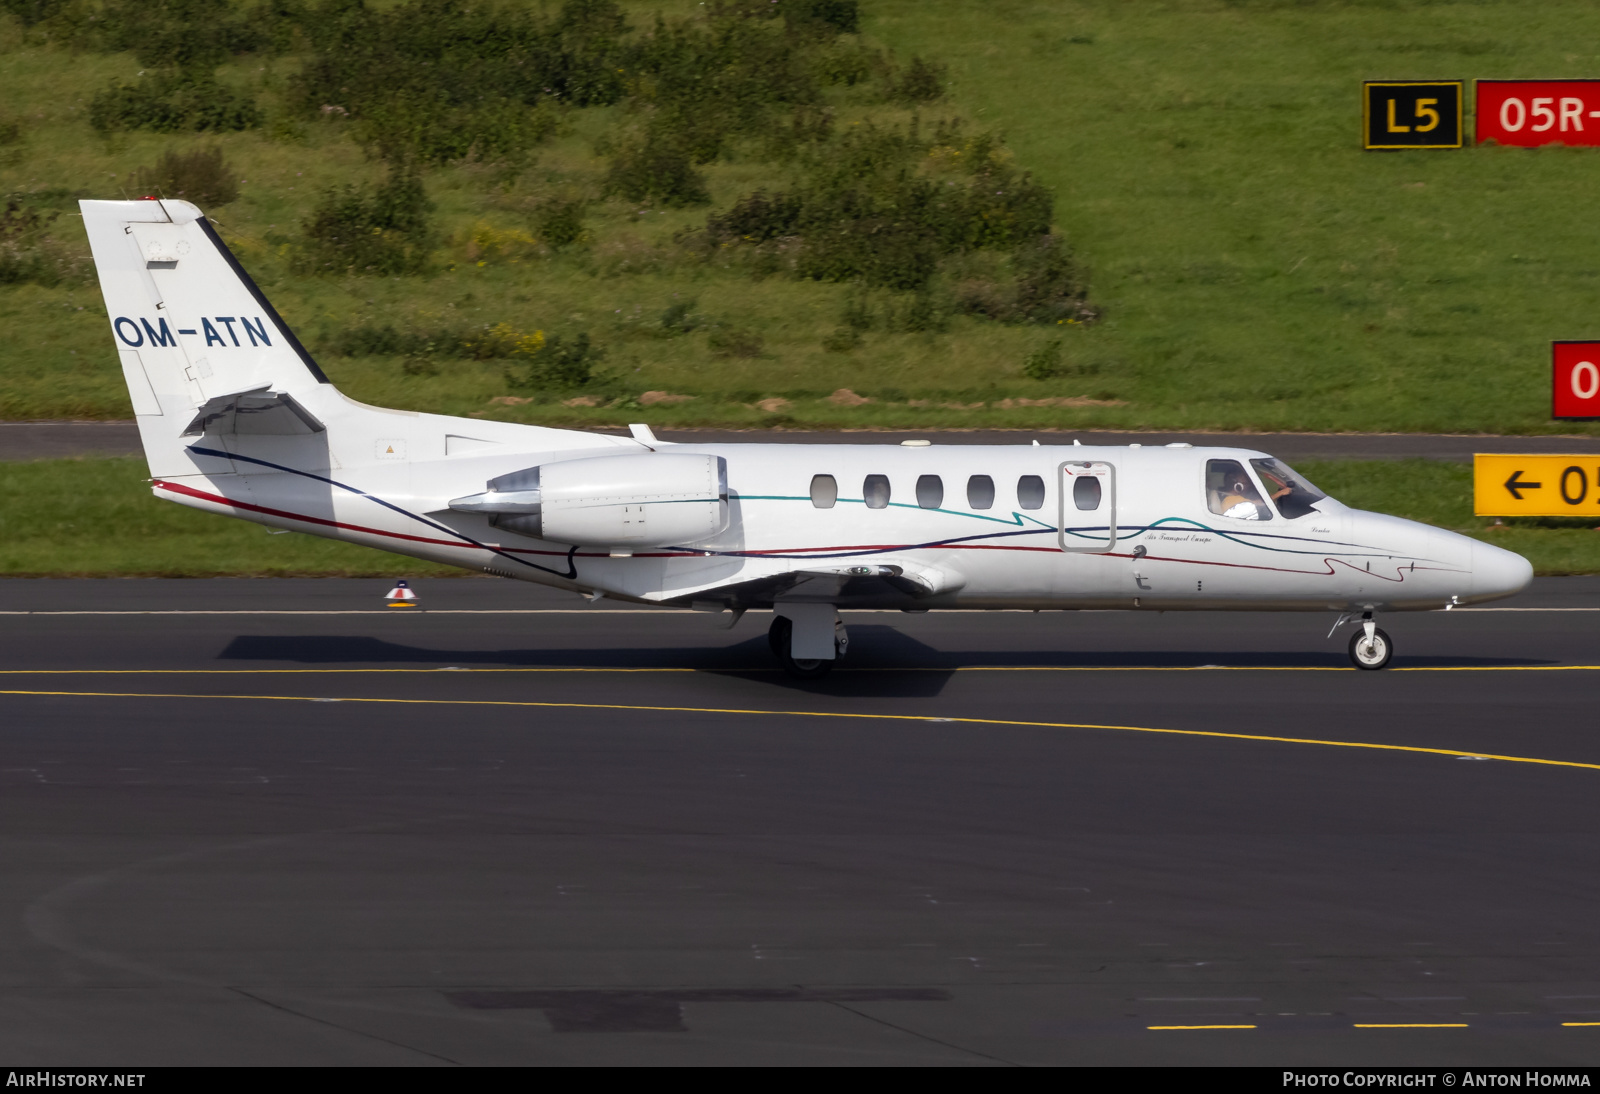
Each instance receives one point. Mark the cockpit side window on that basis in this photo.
(1293, 494)
(1231, 493)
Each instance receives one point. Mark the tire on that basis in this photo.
(1372, 657)
(778, 637)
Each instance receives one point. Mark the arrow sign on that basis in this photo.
(1544, 484)
(1517, 486)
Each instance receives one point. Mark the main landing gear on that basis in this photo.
(780, 636)
(1370, 648)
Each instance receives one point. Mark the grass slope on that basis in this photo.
(1256, 268)
(115, 527)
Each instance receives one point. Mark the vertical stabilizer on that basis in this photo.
(200, 346)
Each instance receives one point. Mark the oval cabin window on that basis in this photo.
(1030, 492)
(980, 492)
(1086, 492)
(824, 491)
(875, 491)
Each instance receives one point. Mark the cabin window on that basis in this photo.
(980, 492)
(930, 491)
(875, 491)
(1292, 494)
(1030, 492)
(1230, 493)
(824, 491)
(1086, 492)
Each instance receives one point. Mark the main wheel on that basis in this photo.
(779, 637)
(1370, 655)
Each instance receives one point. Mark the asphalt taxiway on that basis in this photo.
(57, 440)
(276, 822)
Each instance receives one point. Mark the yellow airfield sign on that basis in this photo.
(1535, 486)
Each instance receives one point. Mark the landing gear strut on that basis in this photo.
(780, 637)
(1370, 647)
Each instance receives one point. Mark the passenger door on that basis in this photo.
(1088, 520)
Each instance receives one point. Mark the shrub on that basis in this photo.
(757, 218)
(885, 251)
(432, 81)
(870, 210)
(192, 35)
(828, 16)
(727, 341)
(558, 362)
(1041, 283)
(842, 340)
(201, 176)
(30, 13)
(172, 102)
(471, 343)
(486, 243)
(359, 229)
(656, 169)
(849, 62)
(922, 313)
(559, 221)
(807, 127)
(409, 129)
(857, 314)
(1044, 362)
(29, 253)
(923, 81)
(680, 318)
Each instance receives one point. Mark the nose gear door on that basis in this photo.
(1088, 506)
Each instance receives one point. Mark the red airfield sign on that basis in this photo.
(1575, 390)
(1528, 113)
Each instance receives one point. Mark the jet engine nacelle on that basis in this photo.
(645, 500)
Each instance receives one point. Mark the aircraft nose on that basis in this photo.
(1498, 573)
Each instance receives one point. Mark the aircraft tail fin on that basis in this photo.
(201, 347)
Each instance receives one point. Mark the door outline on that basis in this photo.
(1106, 472)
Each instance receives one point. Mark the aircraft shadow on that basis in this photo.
(883, 661)
(750, 659)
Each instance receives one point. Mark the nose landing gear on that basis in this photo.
(1370, 648)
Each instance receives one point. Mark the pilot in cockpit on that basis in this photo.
(1230, 493)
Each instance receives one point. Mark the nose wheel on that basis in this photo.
(1370, 648)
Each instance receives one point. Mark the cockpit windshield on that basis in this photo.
(1292, 493)
(1231, 493)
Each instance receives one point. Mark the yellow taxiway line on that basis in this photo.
(1454, 753)
(775, 669)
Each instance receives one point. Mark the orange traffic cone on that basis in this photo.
(401, 595)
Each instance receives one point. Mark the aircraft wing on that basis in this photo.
(896, 582)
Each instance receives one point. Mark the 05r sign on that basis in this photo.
(1528, 113)
(1575, 380)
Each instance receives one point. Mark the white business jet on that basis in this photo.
(237, 419)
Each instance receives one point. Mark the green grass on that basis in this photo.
(110, 525)
(1257, 270)
(97, 518)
